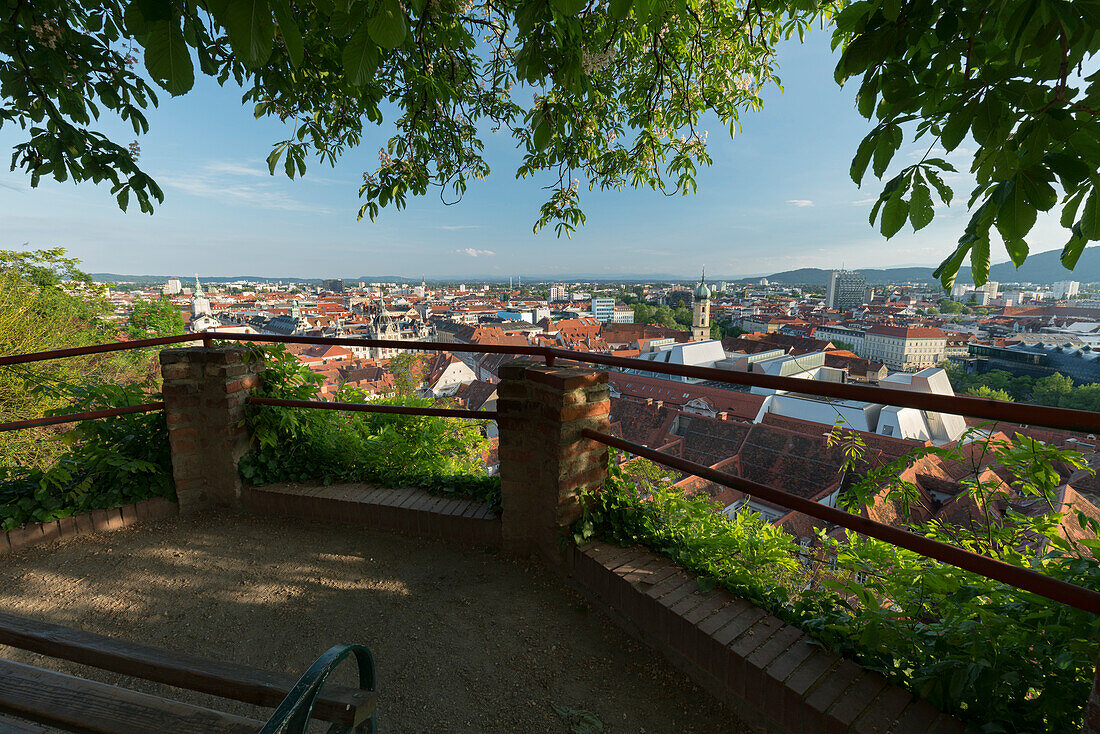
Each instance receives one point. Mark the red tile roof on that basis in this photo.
(908, 332)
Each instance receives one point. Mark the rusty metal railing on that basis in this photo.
(86, 415)
(1020, 578)
(1025, 579)
(368, 408)
(1066, 418)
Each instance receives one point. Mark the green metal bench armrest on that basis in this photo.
(293, 714)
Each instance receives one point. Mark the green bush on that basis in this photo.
(109, 462)
(442, 455)
(1002, 659)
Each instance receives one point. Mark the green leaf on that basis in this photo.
(619, 9)
(942, 189)
(251, 30)
(887, 144)
(1036, 188)
(1072, 251)
(1090, 217)
(894, 214)
(166, 57)
(360, 56)
(288, 29)
(273, 158)
(954, 130)
(387, 27)
(979, 259)
(1016, 215)
(569, 7)
(920, 207)
(862, 158)
(1070, 169)
(1070, 207)
(541, 137)
(949, 268)
(1017, 250)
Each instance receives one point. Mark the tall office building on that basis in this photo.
(603, 308)
(845, 290)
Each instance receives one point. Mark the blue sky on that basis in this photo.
(778, 197)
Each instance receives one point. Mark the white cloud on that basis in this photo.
(261, 196)
(456, 227)
(865, 202)
(471, 252)
(239, 184)
(235, 169)
(800, 203)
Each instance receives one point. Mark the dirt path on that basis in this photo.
(464, 641)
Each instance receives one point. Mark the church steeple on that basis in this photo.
(700, 318)
(198, 286)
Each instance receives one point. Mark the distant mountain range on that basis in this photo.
(1041, 268)
(185, 279)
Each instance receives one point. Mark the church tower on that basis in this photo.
(700, 321)
(200, 305)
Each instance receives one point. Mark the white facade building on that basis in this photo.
(842, 334)
(623, 315)
(885, 420)
(1065, 289)
(908, 349)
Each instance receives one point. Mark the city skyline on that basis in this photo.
(777, 198)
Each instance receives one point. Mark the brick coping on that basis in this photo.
(771, 673)
(113, 518)
(406, 510)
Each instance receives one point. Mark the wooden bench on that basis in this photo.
(79, 705)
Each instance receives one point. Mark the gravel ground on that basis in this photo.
(463, 640)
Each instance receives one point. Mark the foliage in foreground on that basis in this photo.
(624, 88)
(442, 455)
(47, 302)
(1002, 659)
(109, 462)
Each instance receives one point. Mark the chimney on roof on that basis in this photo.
(722, 416)
(649, 401)
(658, 403)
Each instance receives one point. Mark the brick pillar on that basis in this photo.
(205, 389)
(544, 461)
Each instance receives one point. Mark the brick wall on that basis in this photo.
(38, 533)
(205, 391)
(770, 673)
(544, 462)
(408, 510)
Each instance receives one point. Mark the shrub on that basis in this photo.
(442, 455)
(1003, 659)
(110, 462)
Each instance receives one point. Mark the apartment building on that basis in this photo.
(905, 348)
